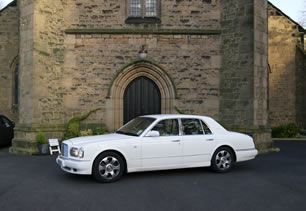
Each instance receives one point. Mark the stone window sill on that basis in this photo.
(140, 20)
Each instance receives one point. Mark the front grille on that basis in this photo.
(65, 150)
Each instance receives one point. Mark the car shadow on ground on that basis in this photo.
(175, 174)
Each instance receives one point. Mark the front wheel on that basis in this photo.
(108, 167)
(222, 160)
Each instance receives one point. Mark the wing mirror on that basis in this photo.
(153, 133)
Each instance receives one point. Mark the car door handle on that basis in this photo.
(210, 139)
(175, 140)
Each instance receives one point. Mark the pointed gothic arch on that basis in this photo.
(15, 80)
(130, 73)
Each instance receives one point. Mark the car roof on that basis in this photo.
(213, 124)
(165, 116)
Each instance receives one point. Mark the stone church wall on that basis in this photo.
(41, 63)
(287, 76)
(237, 85)
(73, 51)
(68, 72)
(244, 76)
(262, 134)
(174, 14)
(191, 60)
(301, 87)
(9, 39)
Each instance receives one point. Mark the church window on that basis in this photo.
(146, 11)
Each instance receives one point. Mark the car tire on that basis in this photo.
(222, 160)
(108, 167)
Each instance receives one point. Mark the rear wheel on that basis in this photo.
(108, 167)
(222, 160)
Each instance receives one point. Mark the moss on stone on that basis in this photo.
(178, 110)
(87, 132)
(43, 53)
(102, 129)
(73, 128)
(55, 50)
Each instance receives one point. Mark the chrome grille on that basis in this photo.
(65, 150)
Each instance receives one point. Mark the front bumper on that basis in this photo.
(74, 166)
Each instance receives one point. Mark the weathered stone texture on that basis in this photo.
(287, 76)
(8, 58)
(112, 14)
(94, 61)
(301, 87)
(41, 63)
(48, 61)
(237, 85)
(260, 63)
(23, 140)
(26, 61)
(261, 75)
(243, 75)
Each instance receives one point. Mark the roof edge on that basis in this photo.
(300, 26)
(8, 4)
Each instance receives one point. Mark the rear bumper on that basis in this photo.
(246, 154)
(74, 166)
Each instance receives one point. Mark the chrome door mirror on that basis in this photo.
(153, 133)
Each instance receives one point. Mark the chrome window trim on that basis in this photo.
(241, 150)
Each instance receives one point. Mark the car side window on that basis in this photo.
(192, 127)
(167, 127)
(206, 128)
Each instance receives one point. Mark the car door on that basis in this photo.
(165, 149)
(198, 142)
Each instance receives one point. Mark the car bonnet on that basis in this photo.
(97, 138)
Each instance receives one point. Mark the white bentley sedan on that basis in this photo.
(156, 142)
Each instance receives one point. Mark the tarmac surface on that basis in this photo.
(275, 181)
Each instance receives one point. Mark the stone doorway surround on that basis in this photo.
(133, 71)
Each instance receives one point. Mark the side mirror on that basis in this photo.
(153, 133)
(12, 124)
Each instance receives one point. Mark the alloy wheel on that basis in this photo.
(109, 167)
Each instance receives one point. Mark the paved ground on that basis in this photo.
(275, 181)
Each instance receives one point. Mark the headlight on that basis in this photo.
(77, 152)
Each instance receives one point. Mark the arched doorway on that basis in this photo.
(141, 97)
(126, 76)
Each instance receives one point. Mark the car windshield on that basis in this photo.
(136, 126)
